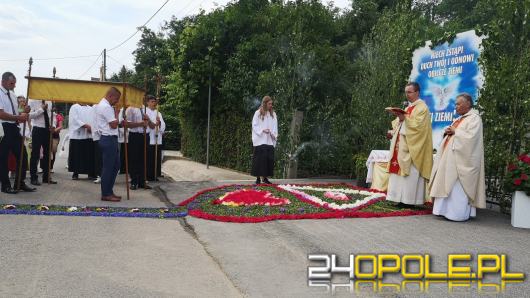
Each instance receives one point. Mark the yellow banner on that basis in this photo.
(77, 91)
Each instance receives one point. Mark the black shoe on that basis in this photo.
(26, 188)
(50, 182)
(75, 176)
(35, 181)
(258, 181)
(92, 178)
(134, 187)
(9, 190)
(145, 186)
(266, 181)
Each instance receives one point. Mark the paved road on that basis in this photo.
(92, 256)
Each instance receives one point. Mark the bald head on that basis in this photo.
(113, 95)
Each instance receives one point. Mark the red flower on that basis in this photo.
(512, 167)
(524, 177)
(526, 159)
(517, 182)
(247, 197)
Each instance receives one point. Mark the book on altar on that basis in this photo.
(395, 110)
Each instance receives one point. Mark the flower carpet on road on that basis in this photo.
(93, 211)
(251, 203)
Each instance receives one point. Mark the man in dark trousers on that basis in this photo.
(43, 126)
(12, 139)
(106, 124)
(137, 123)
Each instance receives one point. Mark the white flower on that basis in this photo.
(297, 190)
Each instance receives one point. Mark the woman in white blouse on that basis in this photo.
(264, 137)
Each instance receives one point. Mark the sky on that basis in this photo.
(45, 29)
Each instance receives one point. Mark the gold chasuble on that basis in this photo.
(415, 146)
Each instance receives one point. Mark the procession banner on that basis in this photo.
(77, 91)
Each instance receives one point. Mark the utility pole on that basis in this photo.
(104, 65)
(209, 103)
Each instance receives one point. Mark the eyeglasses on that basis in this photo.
(408, 92)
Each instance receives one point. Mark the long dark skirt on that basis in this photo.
(81, 156)
(136, 158)
(263, 161)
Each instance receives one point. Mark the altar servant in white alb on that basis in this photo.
(458, 178)
(264, 138)
(81, 150)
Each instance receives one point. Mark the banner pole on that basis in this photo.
(23, 137)
(125, 140)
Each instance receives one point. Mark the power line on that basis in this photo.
(90, 67)
(118, 64)
(139, 28)
(114, 60)
(119, 45)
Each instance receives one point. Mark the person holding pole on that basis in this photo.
(12, 139)
(157, 126)
(43, 125)
(136, 123)
(24, 107)
(106, 123)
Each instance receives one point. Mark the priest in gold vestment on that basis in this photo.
(457, 180)
(411, 151)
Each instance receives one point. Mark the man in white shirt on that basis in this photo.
(12, 140)
(42, 126)
(156, 129)
(136, 122)
(106, 123)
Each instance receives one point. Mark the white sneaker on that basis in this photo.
(97, 181)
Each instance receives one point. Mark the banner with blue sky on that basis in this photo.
(445, 71)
